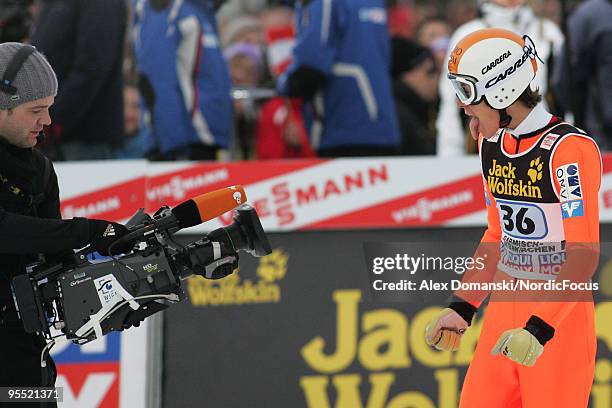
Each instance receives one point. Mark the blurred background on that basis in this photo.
(337, 118)
(222, 67)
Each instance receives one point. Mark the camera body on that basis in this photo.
(87, 299)
(73, 296)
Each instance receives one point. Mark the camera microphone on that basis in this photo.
(207, 206)
(192, 212)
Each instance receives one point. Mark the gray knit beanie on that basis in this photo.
(35, 80)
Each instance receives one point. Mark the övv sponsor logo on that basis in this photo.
(568, 177)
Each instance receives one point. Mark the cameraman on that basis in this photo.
(30, 220)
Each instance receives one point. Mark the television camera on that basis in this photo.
(87, 299)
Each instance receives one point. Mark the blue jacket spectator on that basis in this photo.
(341, 61)
(184, 79)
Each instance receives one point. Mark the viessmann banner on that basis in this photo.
(301, 328)
(298, 195)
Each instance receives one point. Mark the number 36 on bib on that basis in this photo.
(529, 220)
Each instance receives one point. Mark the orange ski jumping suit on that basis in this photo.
(541, 188)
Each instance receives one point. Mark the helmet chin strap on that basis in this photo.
(504, 118)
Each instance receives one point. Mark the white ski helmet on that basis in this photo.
(493, 63)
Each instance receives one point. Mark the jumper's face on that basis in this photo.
(20, 126)
(484, 119)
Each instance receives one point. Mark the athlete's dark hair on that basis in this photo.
(530, 97)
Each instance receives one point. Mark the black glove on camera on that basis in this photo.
(103, 233)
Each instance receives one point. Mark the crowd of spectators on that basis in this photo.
(270, 79)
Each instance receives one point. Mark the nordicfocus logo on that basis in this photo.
(110, 231)
(497, 61)
(511, 70)
(502, 180)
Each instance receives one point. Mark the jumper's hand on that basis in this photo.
(519, 346)
(444, 331)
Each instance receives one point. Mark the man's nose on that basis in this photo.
(46, 119)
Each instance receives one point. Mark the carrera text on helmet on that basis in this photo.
(511, 70)
(497, 61)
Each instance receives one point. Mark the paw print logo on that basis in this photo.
(535, 170)
(273, 267)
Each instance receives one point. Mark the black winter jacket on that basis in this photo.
(84, 41)
(414, 116)
(30, 220)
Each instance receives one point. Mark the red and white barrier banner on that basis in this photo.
(111, 190)
(297, 195)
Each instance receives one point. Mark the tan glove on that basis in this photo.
(525, 345)
(519, 346)
(444, 331)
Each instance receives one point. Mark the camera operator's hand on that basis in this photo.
(103, 233)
